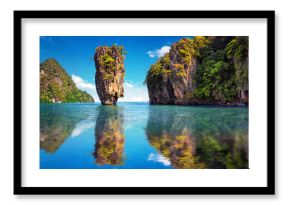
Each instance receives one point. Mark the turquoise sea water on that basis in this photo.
(142, 136)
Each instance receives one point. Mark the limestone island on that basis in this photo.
(203, 71)
(110, 72)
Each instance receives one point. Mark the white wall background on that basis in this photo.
(282, 99)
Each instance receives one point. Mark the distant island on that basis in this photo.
(56, 86)
(201, 70)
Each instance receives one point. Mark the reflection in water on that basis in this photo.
(175, 137)
(54, 129)
(83, 126)
(109, 135)
(57, 122)
(199, 141)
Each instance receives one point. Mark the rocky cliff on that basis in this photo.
(57, 86)
(202, 70)
(109, 62)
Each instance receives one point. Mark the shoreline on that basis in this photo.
(147, 103)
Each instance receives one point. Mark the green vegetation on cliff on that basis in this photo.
(183, 51)
(57, 86)
(107, 60)
(222, 72)
(202, 70)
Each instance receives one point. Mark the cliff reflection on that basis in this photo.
(109, 147)
(197, 142)
(56, 124)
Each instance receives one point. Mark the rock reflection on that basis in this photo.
(196, 142)
(109, 147)
(55, 127)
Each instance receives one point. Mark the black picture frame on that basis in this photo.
(268, 190)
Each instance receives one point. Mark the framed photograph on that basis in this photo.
(144, 102)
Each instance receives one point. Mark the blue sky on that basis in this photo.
(76, 56)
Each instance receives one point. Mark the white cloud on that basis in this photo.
(159, 158)
(162, 51)
(85, 86)
(129, 85)
(134, 93)
(159, 52)
(81, 83)
(151, 54)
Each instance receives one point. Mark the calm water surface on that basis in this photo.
(142, 136)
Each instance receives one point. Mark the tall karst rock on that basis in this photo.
(109, 62)
(201, 70)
